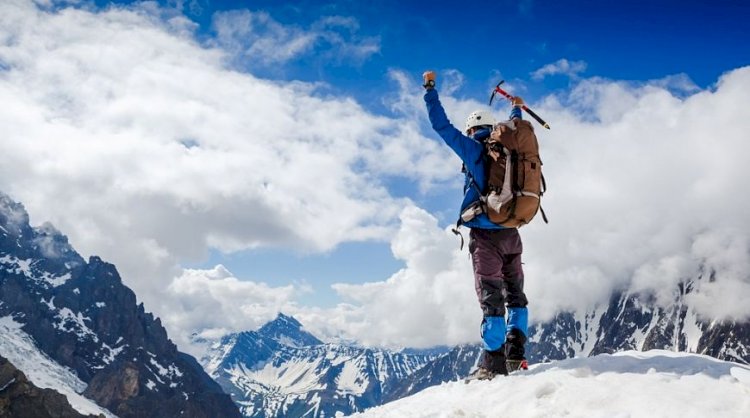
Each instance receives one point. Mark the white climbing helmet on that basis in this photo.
(479, 118)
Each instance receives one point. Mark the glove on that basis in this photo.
(429, 79)
(517, 101)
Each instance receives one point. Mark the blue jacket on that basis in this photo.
(472, 153)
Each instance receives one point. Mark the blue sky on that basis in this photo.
(486, 41)
(622, 40)
(633, 40)
(288, 142)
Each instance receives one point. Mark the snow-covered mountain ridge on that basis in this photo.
(655, 383)
(78, 318)
(100, 347)
(630, 321)
(633, 321)
(283, 371)
(277, 375)
(21, 350)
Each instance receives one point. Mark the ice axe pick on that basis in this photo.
(524, 107)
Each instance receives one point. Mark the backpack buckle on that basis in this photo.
(471, 212)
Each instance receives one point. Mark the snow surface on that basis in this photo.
(75, 323)
(293, 377)
(631, 384)
(169, 373)
(26, 267)
(111, 353)
(21, 350)
(351, 381)
(56, 281)
(17, 266)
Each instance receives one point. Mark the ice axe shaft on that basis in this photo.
(524, 107)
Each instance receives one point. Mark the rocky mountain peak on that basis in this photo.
(52, 244)
(286, 330)
(83, 317)
(14, 220)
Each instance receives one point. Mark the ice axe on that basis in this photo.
(524, 107)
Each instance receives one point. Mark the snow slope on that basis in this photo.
(19, 348)
(631, 384)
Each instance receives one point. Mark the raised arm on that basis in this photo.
(466, 148)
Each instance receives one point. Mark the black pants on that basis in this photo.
(498, 272)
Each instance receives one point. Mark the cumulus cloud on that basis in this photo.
(637, 177)
(431, 300)
(724, 255)
(562, 66)
(645, 195)
(214, 302)
(143, 147)
(147, 150)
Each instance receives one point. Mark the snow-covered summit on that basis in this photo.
(288, 331)
(655, 383)
(281, 370)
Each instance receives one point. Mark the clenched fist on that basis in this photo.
(429, 79)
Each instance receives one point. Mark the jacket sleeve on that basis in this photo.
(466, 148)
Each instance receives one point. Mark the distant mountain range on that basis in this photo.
(636, 322)
(281, 370)
(70, 327)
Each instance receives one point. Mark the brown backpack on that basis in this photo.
(515, 180)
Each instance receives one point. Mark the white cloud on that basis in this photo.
(339, 33)
(259, 38)
(430, 301)
(214, 302)
(562, 66)
(145, 149)
(636, 186)
(678, 83)
(645, 195)
(723, 291)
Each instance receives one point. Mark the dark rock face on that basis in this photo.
(19, 398)
(82, 316)
(114, 386)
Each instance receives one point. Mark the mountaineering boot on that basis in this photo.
(480, 374)
(516, 365)
(514, 351)
(491, 365)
